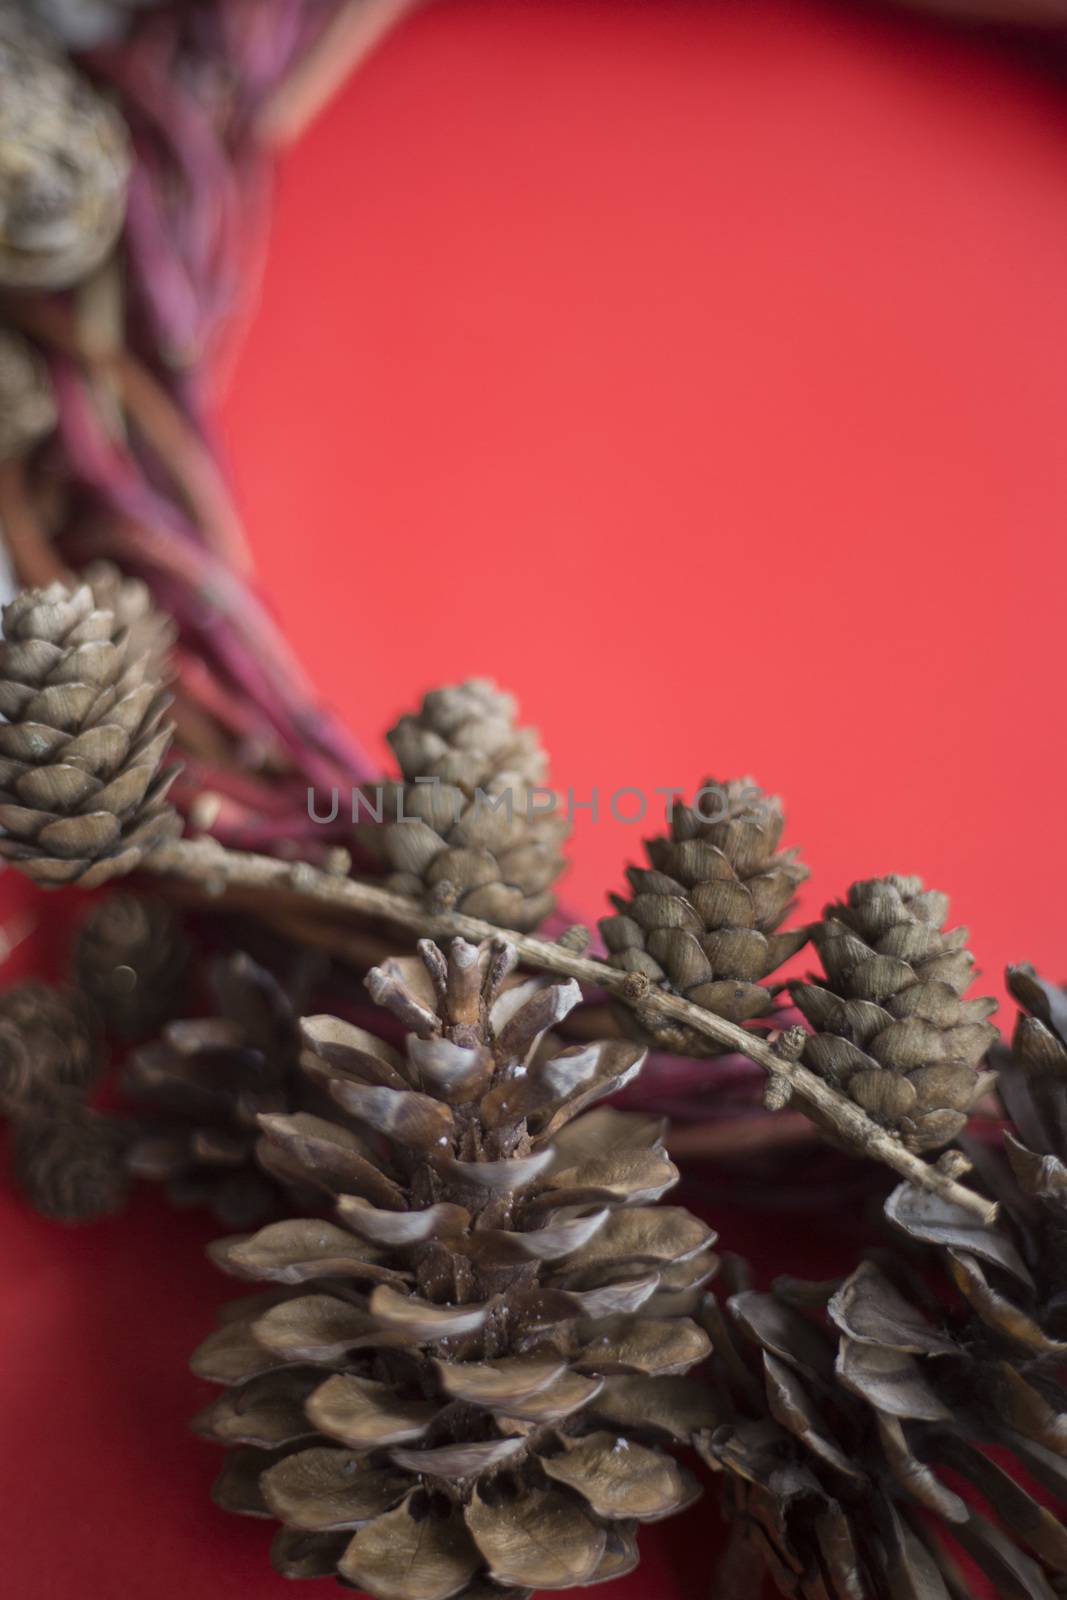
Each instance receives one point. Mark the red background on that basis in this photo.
(697, 371)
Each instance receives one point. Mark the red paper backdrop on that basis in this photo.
(696, 370)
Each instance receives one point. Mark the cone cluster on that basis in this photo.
(468, 1383)
(474, 839)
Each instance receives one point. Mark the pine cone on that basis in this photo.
(83, 796)
(454, 846)
(846, 1404)
(27, 407)
(48, 1048)
(892, 1028)
(130, 959)
(468, 1388)
(201, 1088)
(64, 162)
(702, 923)
(68, 1162)
(150, 632)
(1039, 1043)
(84, 24)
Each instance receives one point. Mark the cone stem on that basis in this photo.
(215, 869)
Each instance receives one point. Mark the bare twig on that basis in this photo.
(194, 471)
(345, 42)
(218, 870)
(35, 560)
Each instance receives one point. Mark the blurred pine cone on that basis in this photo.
(68, 1162)
(130, 959)
(892, 1028)
(201, 1087)
(64, 162)
(470, 1387)
(84, 24)
(48, 1048)
(846, 1405)
(83, 797)
(455, 847)
(703, 921)
(27, 406)
(150, 633)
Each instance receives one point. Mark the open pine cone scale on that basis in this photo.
(878, 1429)
(469, 1385)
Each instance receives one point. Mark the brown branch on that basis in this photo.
(31, 550)
(194, 472)
(192, 467)
(216, 869)
(343, 45)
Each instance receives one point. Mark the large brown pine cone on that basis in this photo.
(49, 1051)
(68, 1162)
(874, 1429)
(467, 1385)
(892, 1027)
(82, 793)
(201, 1087)
(27, 406)
(131, 959)
(64, 162)
(475, 838)
(703, 920)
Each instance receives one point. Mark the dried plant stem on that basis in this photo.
(35, 561)
(192, 468)
(344, 43)
(216, 869)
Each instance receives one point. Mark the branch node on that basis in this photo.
(790, 1044)
(215, 869)
(777, 1092)
(204, 811)
(302, 877)
(338, 861)
(954, 1164)
(442, 898)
